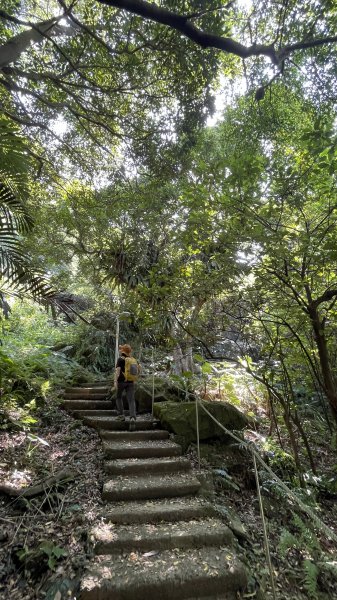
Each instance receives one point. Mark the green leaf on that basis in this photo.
(58, 551)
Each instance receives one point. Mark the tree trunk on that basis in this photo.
(304, 437)
(178, 361)
(183, 353)
(183, 360)
(294, 446)
(11, 51)
(329, 382)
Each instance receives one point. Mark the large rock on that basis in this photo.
(164, 391)
(180, 419)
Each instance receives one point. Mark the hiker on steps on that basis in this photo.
(126, 374)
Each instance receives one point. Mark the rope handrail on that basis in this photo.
(252, 448)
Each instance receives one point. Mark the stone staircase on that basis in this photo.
(159, 539)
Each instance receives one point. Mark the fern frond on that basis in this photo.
(287, 541)
(307, 536)
(310, 580)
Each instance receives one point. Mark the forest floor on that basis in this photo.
(45, 541)
(304, 561)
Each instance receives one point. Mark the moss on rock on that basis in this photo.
(164, 391)
(180, 419)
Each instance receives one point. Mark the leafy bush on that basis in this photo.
(29, 367)
(281, 462)
(313, 560)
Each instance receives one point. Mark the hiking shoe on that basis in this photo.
(132, 425)
(120, 418)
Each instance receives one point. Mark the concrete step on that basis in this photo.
(113, 424)
(179, 575)
(109, 538)
(86, 404)
(140, 448)
(94, 413)
(135, 487)
(84, 396)
(154, 511)
(101, 383)
(87, 390)
(228, 596)
(130, 466)
(129, 436)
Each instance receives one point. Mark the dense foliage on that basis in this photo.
(210, 234)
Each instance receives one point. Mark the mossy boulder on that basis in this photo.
(180, 419)
(164, 391)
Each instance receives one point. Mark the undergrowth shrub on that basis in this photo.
(29, 367)
(314, 562)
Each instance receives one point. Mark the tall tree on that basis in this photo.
(113, 73)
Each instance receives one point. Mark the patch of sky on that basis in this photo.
(249, 258)
(59, 126)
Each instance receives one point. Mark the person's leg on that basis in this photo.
(119, 399)
(130, 396)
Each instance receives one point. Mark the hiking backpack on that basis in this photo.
(131, 369)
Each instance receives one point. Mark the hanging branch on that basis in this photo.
(204, 39)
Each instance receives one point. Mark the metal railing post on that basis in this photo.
(197, 427)
(117, 339)
(152, 380)
(265, 534)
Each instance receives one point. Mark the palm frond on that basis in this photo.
(14, 155)
(17, 275)
(13, 211)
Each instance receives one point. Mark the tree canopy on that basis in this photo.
(168, 180)
(110, 76)
(204, 231)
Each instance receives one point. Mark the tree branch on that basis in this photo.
(284, 279)
(326, 297)
(88, 115)
(11, 50)
(60, 477)
(182, 24)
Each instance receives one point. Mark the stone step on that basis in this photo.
(135, 487)
(94, 413)
(129, 436)
(84, 396)
(86, 404)
(87, 390)
(154, 511)
(100, 383)
(179, 575)
(109, 538)
(228, 596)
(140, 449)
(147, 465)
(108, 423)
